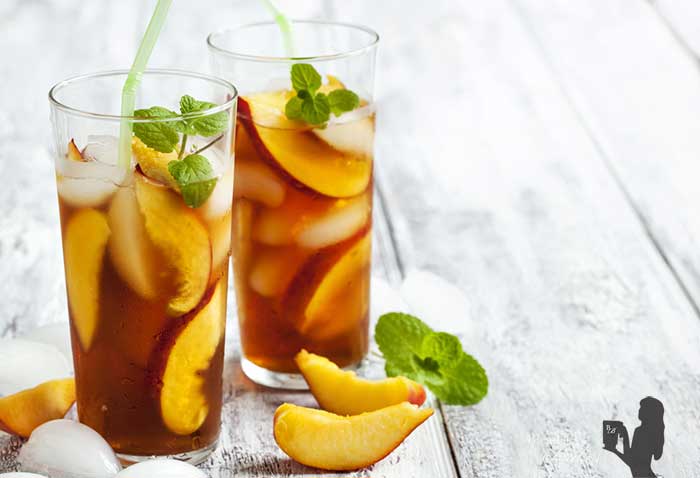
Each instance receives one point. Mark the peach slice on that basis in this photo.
(220, 234)
(181, 238)
(254, 180)
(341, 297)
(333, 442)
(183, 405)
(134, 256)
(154, 164)
(300, 154)
(84, 247)
(274, 268)
(23, 411)
(74, 153)
(343, 392)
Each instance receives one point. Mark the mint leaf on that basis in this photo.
(293, 108)
(162, 135)
(305, 77)
(342, 101)
(195, 177)
(315, 110)
(435, 359)
(206, 126)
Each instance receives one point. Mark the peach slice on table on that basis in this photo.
(300, 154)
(22, 412)
(256, 181)
(274, 268)
(344, 393)
(339, 296)
(181, 238)
(84, 244)
(183, 405)
(333, 442)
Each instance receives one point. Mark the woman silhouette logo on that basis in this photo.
(647, 442)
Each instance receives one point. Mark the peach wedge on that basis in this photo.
(22, 412)
(333, 442)
(343, 392)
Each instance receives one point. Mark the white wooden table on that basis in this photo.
(543, 155)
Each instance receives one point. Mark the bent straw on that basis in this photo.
(133, 79)
(285, 27)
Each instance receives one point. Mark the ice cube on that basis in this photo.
(385, 298)
(25, 364)
(161, 468)
(66, 449)
(342, 221)
(103, 149)
(21, 474)
(432, 298)
(57, 335)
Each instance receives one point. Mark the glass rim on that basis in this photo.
(150, 71)
(373, 42)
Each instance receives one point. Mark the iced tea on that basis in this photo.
(146, 266)
(302, 232)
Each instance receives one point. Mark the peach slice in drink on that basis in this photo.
(330, 296)
(343, 392)
(22, 412)
(333, 442)
(181, 238)
(300, 154)
(189, 349)
(220, 234)
(154, 164)
(84, 245)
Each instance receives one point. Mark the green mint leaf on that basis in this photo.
(206, 126)
(435, 359)
(195, 177)
(305, 77)
(315, 110)
(342, 101)
(162, 135)
(293, 108)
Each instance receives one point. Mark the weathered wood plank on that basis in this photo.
(495, 184)
(31, 271)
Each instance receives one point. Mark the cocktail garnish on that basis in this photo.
(193, 173)
(310, 105)
(434, 359)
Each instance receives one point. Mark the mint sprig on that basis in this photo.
(310, 105)
(193, 173)
(435, 359)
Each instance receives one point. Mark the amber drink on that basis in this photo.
(146, 257)
(302, 210)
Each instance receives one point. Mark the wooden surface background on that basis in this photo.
(543, 155)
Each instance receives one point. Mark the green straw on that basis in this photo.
(133, 80)
(285, 27)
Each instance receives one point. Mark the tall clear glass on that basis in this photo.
(302, 197)
(146, 270)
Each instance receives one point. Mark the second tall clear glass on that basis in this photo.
(302, 214)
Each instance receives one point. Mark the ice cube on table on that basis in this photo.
(21, 474)
(161, 468)
(432, 298)
(57, 334)
(384, 299)
(68, 449)
(25, 364)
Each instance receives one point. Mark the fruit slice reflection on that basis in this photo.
(181, 239)
(23, 411)
(84, 246)
(183, 403)
(333, 442)
(343, 392)
(302, 155)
